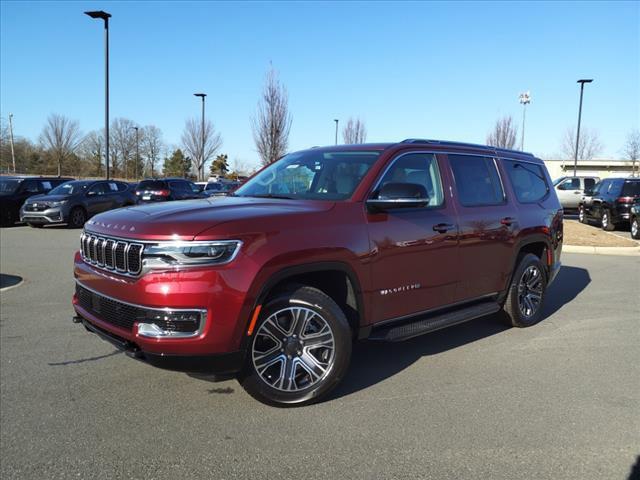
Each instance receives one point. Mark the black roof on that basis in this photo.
(464, 144)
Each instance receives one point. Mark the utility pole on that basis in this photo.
(575, 159)
(525, 99)
(201, 167)
(336, 120)
(137, 153)
(105, 17)
(13, 155)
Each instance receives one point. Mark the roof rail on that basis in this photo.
(464, 144)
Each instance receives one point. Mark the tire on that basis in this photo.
(77, 217)
(606, 222)
(35, 225)
(635, 228)
(582, 215)
(302, 332)
(523, 306)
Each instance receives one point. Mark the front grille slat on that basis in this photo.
(112, 254)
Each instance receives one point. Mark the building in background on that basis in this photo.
(597, 168)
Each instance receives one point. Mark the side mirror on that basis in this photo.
(92, 193)
(399, 195)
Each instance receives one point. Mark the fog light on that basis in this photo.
(161, 324)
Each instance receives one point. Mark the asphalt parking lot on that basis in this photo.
(560, 400)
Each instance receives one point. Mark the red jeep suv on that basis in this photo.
(323, 247)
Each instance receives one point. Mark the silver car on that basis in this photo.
(571, 189)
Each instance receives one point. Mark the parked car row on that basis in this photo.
(612, 203)
(39, 201)
(218, 189)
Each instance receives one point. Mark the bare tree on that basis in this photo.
(192, 143)
(61, 137)
(272, 123)
(354, 132)
(589, 147)
(631, 149)
(151, 145)
(91, 149)
(122, 143)
(503, 134)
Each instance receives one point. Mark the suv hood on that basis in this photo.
(185, 219)
(47, 198)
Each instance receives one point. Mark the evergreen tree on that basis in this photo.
(220, 166)
(177, 165)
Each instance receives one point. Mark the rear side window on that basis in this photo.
(528, 181)
(477, 180)
(630, 189)
(419, 168)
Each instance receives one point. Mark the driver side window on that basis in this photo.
(418, 168)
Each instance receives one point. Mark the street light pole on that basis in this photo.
(105, 16)
(575, 159)
(13, 155)
(201, 169)
(525, 99)
(137, 153)
(336, 120)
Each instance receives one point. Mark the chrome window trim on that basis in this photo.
(398, 157)
(202, 311)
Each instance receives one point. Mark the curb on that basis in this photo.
(627, 251)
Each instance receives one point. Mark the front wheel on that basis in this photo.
(523, 306)
(300, 350)
(77, 217)
(635, 228)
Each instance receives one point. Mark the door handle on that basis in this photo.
(507, 221)
(578, 192)
(443, 227)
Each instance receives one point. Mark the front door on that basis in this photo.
(569, 192)
(414, 263)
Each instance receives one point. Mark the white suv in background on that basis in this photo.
(571, 189)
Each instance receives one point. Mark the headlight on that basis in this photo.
(191, 253)
(58, 203)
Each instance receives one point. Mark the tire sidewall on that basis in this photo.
(637, 235)
(514, 308)
(72, 213)
(316, 301)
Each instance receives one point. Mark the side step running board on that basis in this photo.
(433, 322)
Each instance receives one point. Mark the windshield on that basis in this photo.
(311, 175)
(152, 185)
(8, 185)
(69, 188)
(558, 180)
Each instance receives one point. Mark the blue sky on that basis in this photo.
(417, 69)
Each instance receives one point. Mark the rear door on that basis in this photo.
(414, 261)
(488, 224)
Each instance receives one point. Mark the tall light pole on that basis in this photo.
(525, 99)
(200, 170)
(336, 120)
(137, 153)
(105, 16)
(13, 155)
(575, 159)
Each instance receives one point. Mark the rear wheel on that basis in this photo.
(300, 350)
(635, 228)
(523, 306)
(606, 222)
(77, 217)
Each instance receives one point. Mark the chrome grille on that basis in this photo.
(111, 254)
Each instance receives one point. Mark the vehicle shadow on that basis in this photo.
(374, 362)
(7, 281)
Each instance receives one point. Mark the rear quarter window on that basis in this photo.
(528, 181)
(631, 189)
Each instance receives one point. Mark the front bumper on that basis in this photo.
(218, 364)
(49, 216)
